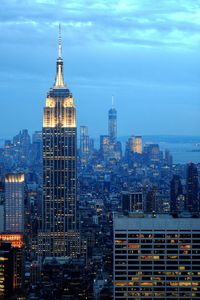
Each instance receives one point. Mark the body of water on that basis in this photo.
(182, 152)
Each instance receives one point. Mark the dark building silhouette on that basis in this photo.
(6, 270)
(132, 202)
(176, 191)
(192, 197)
(151, 200)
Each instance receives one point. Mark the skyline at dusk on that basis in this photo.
(100, 149)
(144, 53)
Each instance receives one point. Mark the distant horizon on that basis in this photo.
(119, 137)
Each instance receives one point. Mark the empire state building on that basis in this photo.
(59, 235)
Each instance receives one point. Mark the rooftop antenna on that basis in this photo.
(59, 43)
(112, 101)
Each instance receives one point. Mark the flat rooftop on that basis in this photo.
(146, 222)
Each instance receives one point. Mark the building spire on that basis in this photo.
(59, 81)
(112, 101)
(59, 43)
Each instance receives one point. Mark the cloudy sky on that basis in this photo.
(144, 52)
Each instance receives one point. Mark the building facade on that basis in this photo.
(176, 195)
(156, 257)
(59, 235)
(192, 197)
(84, 140)
(14, 202)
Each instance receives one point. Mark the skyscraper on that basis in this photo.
(14, 202)
(59, 235)
(138, 144)
(176, 191)
(112, 124)
(84, 140)
(192, 199)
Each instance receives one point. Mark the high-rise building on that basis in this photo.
(84, 140)
(138, 144)
(151, 197)
(132, 202)
(36, 154)
(112, 124)
(104, 145)
(168, 158)
(16, 241)
(176, 191)
(14, 202)
(192, 197)
(6, 270)
(156, 257)
(59, 235)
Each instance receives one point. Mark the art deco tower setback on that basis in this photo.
(59, 221)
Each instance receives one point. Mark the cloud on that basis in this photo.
(154, 23)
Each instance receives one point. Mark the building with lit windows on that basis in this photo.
(156, 257)
(137, 147)
(14, 202)
(59, 235)
(6, 270)
(16, 242)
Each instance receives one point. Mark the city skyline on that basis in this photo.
(145, 55)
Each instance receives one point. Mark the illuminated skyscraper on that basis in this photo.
(14, 202)
(138, 144)
(112, 124)
(59, 236)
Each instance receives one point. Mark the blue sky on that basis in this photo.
(144, 52)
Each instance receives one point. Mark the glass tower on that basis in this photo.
(112, 124)
(59, 236)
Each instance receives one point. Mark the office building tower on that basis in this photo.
(137, 147)
(37, 137)
(22, 142)
(36, 154)
(129, 150)
(6, 270)
(156, 257)
(168, 158)
(176, 195)
(130, 144)
(84, 140)
(2, 202)
(132, 202)
(59, 235)
(112, 123)
(192, 197)
(16, 241)
(152, 153)
(105, 145)
(150, 203)
(14, 202)
(91, 145)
